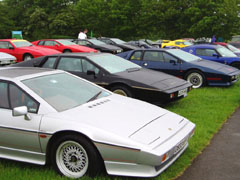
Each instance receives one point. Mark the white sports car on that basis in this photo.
(49, 115)
(6, 59)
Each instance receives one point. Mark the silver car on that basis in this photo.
(53, 116)
(6, 59)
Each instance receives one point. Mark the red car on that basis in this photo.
(229, 46)
(63, 45)
(24, 50)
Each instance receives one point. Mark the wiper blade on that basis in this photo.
(95, 96)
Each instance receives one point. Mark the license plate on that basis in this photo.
(182, 92)
(180, 146)
(118, 51)
(5, 62)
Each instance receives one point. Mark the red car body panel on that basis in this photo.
(19, 52)
(61, 47)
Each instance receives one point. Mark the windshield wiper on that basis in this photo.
(95, 96)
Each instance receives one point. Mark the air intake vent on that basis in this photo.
(99, 103)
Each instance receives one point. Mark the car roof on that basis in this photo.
(203, 46)
(16, 72)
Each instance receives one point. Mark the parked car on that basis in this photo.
(82, 128)
(6, 59)
(184, 65)
(63, 45)
(118, 75)
(140, 44)
(23, 50)
(178, 43)
(230, 47)
(118, 42)
(215, 53)
(98, 45)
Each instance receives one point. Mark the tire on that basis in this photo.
(236, 65)
(122, 90)
(74, 156)
(67, 51)
(196, 78)
(27, 57)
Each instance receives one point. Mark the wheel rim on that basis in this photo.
(27, 58)
(196, 80)
(72, 159)
(120, 92)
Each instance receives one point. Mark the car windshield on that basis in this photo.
(118, 41)
(232, 48)
(224, 52)
(66, 42)
(185, 56)
(113, 64)
(96, 42)
(64, 91)
(21, 43)
(187, 43)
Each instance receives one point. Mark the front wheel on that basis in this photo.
(27, 57)
(196, 78)
(74, 156)
(122, 90)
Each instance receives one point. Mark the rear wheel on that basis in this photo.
(27, 57)
(196, 78)
(74, 156)
(236, 65)
(122, 90)
(67, 51)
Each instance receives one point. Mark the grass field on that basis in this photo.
(207, 107)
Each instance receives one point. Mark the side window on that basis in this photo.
(5, 45)
(50, 62)
(87, 66)
(70, 64)
(205, 52)
(20, 98)
(4, 103)
(50, 43)
(41, 43)
(153, 56)
(168, 57)
(136, 55)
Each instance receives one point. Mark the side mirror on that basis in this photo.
(11, 48)
(173, 62)
(56, 45)
(21, 111)
(215, 55)
(89, 72)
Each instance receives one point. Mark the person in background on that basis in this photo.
(83, 35)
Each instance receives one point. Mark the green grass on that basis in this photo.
(207, 107)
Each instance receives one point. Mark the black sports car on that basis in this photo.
(118, 42)
(151, 43)
(98, 45)
(117, 74)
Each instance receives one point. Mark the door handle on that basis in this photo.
(145, 64)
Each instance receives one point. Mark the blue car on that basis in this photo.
(215, 53)
(184, 65)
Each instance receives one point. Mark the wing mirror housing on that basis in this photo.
(21, 111)
(173, 62)
(215, 55)
(11, 48)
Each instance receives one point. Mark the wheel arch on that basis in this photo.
(69, 132)
(118, 84)
(193, 69)
(67, 50)
(26, 53)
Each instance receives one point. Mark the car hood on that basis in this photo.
(127, 46)
(5, 56)
(110, 47)
(125, 117)
(215, 66)
(81, 48)
(152, 79)
(40, 50)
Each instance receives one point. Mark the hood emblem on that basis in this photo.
(169, 129)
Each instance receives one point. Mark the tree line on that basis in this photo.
(125, 19)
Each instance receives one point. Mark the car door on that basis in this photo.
(17, 134)
(52, 45)
(208, 54)
(6, 47)
(136, 57)
(80, 67)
